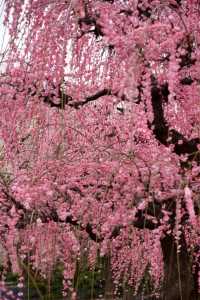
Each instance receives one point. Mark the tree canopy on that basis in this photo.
(99, 131)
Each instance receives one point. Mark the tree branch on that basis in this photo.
(140, 220)
(161, 130)
(67, 100)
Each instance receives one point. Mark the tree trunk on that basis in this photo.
(178, 278)
(109, 287)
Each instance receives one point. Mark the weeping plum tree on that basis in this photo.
(100, 139)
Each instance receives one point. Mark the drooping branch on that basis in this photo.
(160, 127)
(141, 219)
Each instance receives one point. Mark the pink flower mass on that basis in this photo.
(99, 140)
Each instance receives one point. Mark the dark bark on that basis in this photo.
(92, 22)
(67, 100)
(143, 12)
(161, 129)
(178, 278)
(109, 285)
